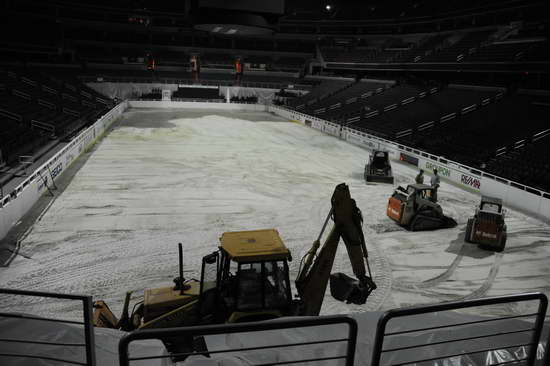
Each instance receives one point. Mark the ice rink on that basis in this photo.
(168, 176)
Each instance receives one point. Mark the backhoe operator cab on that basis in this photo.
(253, 276)
(245, 280)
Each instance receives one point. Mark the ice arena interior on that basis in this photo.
(310, 182)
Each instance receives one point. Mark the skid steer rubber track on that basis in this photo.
(431, 220)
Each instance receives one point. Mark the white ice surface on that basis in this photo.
(163, 177)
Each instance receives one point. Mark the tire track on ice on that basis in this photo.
(382, 277)
(451, 269)
(486, 286)
(477, 293)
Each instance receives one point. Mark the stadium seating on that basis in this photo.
(377, 101)
(288, 63)
(245, 100)
(324, 89)
(365, 54)
(422, 48)
(217, 60)
(197, 94)
(341, 54)
(460, 49)
(36, 107)
(424, 110)
(475, 137)
(474, 46)
(345, 96)
(499, 52)
(529, 164)
(155, 94)
(540, 51)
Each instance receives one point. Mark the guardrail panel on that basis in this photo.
(88, 327)
(434, 339)
(280, 324)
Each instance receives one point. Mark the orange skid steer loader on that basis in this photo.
(415, 209)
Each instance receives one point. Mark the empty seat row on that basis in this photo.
(429, 109)
(37, 107)
(475, 137)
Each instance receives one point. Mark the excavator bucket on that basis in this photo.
(350, 290)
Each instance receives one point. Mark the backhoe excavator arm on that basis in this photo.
(314, 273)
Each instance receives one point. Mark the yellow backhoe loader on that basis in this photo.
(247, 279)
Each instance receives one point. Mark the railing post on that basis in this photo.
(89, 331)
(546, 357)
(539, 324)
(352, 343)
(123, 351)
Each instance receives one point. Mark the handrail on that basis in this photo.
(381, 334)
(196, 331)
(87, 306)
(43, 125)
(10, 115)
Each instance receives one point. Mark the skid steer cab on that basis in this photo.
(415, 209)
(487, 227)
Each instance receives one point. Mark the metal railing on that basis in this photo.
(89, 343)
(433, 340)
(189, 332)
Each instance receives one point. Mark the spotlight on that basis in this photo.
(328, 7)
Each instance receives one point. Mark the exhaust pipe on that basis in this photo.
(180, 249)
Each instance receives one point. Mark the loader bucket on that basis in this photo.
(379, 178)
